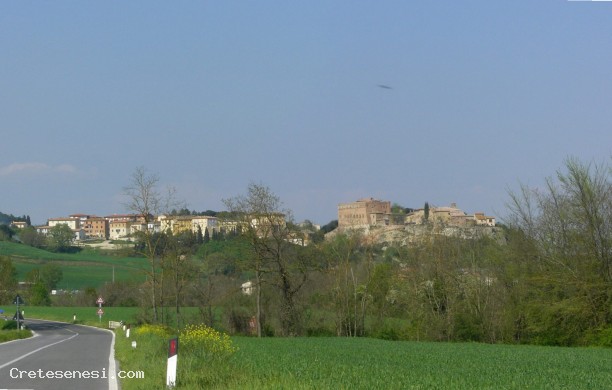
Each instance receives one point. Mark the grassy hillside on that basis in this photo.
(84, 269)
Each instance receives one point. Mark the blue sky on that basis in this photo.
(214, 95)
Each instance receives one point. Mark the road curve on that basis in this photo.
(59, 356)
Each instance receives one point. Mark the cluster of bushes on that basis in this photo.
(203, 352)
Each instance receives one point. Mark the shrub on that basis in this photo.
(9, 325)
(201, 340)
(387, 333)
(600, 337)
(320, 331)
(158, 330)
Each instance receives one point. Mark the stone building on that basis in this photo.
(364, 212)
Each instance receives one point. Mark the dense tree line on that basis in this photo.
(547, 281)
(7, 219)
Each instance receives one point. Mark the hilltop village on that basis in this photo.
(371, 216)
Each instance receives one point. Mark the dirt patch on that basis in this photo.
(108, 245)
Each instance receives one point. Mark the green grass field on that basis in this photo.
(88, 316)
(88, 268)
(84, 315)
(362, 363)
(351, 363)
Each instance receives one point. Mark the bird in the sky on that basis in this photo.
(384, 86)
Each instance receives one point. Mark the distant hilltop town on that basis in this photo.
(383, 222)
(373, 212)
(366, 214)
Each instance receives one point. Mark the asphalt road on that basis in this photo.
(59, 356)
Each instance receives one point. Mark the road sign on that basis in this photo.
(100, 312)
(18, 300)
(99, 301)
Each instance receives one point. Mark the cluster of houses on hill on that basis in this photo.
(363, 213)
(121, 226)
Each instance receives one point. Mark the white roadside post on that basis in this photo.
(172, 358)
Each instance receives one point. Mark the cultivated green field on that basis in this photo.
(352, 363)
(361, 363)
(88, 268)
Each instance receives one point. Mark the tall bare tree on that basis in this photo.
(267, 225)
(178, 266)
(145, 199)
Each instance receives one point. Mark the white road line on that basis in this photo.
(37, 350)
(113, 382)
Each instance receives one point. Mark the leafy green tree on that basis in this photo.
(8, 280)
(60, 238)
(381, 288)
(39, 295)
(566, 230)
(396, 208)
(6, 233)
(33, 276)
(29, 236)
(329, 226)
(51, 275)
(90, 295)
(119, 293)
(347, 263)
(199, 236)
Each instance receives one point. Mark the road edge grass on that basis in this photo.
(10, 335)
(204, 358)
(9, 332)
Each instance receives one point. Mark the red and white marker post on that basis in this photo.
(172, 358)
